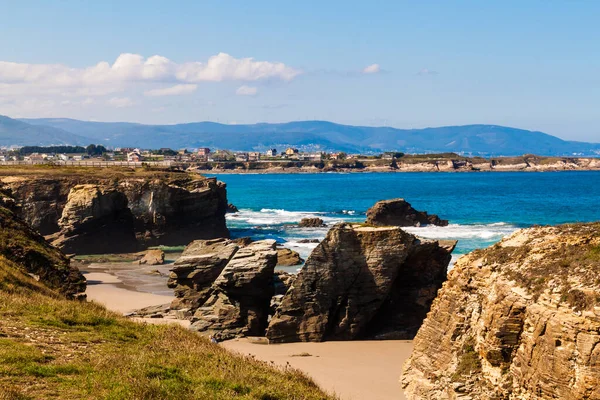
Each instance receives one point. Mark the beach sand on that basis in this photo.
(356, 370)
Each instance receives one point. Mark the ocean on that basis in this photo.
(481, 207)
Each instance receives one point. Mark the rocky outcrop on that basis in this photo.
(170, 208)
(240, 300)
(153, 257)
(287, 257)
(95, 220)
(399, 212)
(194, 272)
(31, 252)
(519, 320)
(311, 223)
(362, 282)
(232, 209)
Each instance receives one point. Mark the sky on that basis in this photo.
(407, 64)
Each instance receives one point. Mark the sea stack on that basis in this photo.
(519, 320)
(399, 212)
(362, 282)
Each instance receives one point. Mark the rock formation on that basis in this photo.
(348, 287)
(311, 223)
(232, 209)
(287, 257)
(398, 212)
(170, 208)
(95, 220)
(519, 320)
(193, 273)
(240, 300)
(27, 249)
(153, 257)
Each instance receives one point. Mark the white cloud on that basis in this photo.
(129, 68)
(56, 87)
(246, 91)
(121, 102)
(172, 91)
(371, 69)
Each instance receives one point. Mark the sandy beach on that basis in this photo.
(352, 370)
(356, 370)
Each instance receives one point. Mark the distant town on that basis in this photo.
(78, 154)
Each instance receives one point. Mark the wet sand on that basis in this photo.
(357, 370)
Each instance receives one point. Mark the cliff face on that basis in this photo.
(165, 208)
(31, 252)
(520, 320)
(362, 282)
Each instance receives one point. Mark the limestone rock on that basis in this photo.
(399, 212)
(232, 209)
(287, 257)
(194, 272)
(311, 223)
(96, 220)
(153, 257)
(519, 320)
(350, 280)
(240, 301)
(169, 208)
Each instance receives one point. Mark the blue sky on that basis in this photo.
(528, 64)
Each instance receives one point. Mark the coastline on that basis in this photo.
(241, 171)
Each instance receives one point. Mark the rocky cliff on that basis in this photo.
(519, 320)
(362, 282)
(36, 257)
(156, 207)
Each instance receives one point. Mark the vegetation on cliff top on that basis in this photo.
(539, 262)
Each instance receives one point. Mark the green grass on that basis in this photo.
(51, 347)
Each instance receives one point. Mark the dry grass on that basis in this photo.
(54, 348)
(570, 264)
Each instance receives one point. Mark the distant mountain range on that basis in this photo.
(486, 140)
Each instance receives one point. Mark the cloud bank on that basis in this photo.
(133, 68)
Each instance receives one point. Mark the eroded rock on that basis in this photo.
(194, 272)
(399, 212)
(95, 220)
(349, 280)
(288, 258)
(519, 320)
(153, 257)
(240, 297)
(311, 223)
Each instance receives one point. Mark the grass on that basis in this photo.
(469, 362)
(51, 347)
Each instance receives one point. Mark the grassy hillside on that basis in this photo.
(51, 347)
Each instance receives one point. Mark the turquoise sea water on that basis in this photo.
(481, 207)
